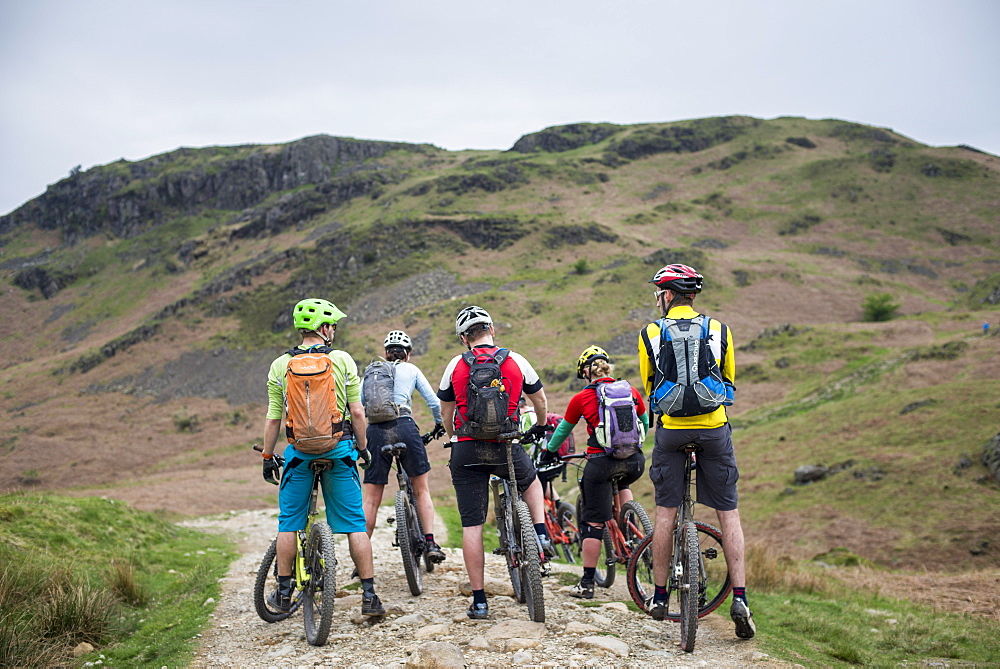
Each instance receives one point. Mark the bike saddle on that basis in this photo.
(321, 464)
(394, 449)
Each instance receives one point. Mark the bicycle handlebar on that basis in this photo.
(277, 458)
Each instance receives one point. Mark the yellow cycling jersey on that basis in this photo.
(723, 350)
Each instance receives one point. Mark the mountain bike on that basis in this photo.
(628, 526)
(560, 517)
(314, 570)
(699, 573)
(518, 540)
(409, 531)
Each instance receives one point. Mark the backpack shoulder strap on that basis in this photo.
(469, 357)
(312, 349)
(500, 355)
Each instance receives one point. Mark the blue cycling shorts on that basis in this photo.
(341, 490)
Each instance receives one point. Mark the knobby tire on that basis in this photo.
(404, 537)
(319, 595)
(530, 564)
(714, 585)
(508, 539)
(266, 577)
(566, 518)
(634, 520)
(690, 564)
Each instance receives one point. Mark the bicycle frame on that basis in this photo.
(525, 563)
(302, 575)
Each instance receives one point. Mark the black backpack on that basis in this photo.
(487, 397)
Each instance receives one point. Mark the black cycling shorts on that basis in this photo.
(596, 486)
(402, 429)
(472, 463)
(715, 476)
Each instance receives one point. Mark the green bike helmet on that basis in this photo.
(311, 313)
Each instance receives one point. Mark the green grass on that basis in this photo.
(93, 569)
(858, 628)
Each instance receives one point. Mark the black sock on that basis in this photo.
(541, 530)
(429, 538)
(368, 586)
(478, 596)
(659, 593)
(285, 583)
(589, 573)
(740, 593)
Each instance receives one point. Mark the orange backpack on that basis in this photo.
(313, 424)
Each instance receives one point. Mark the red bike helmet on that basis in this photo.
(678, 278)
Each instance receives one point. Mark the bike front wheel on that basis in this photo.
(529, 564)
(319, 594)
(508, 539)
(635, 524)
(267, 573)
(405, 528)
(687, 583)
(566, 519)
(714, 583)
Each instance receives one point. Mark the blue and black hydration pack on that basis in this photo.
(688, 381)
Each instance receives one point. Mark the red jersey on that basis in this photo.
(585, 405)
(518, 376)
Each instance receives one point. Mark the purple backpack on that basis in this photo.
(619, 430)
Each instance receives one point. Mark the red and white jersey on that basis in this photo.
(518, 376)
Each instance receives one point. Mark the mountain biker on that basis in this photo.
(316, 321)
(551, 470)
(677, 285)
(595, 366)
(473, 461)
(407, 377)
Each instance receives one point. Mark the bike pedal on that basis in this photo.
(498, 551)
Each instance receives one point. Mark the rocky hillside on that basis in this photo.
(144, 299)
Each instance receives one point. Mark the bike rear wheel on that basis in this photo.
(405, 528)
(318, 596)
(529, 564)
(714, 583)
(688, 584)
(267, 573)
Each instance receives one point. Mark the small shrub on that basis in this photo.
(799, 224)
(124, 583)
(186, 423)
(882, 160)
(580, 266)
(76, 612)
(879, 307)
(768, 572)
(804, 142)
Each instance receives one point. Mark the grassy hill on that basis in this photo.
(144, 301)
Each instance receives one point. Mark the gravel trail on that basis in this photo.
(601, 632)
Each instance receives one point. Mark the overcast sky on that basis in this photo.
(87, 82)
